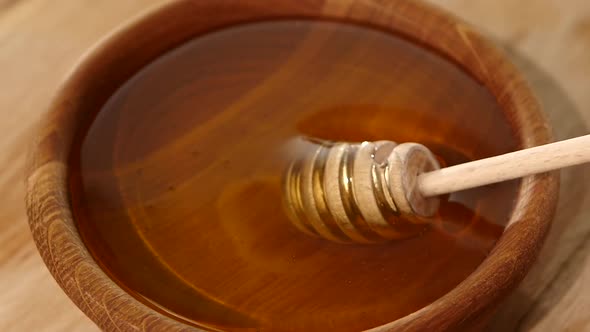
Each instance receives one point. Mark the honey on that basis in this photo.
(176, 182)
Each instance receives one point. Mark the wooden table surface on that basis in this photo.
(549, 40)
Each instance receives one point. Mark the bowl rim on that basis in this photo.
(111, 307)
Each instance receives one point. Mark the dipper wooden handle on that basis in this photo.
(504, 167)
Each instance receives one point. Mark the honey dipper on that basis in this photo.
(342, 191)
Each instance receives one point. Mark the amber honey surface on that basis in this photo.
(176, 184)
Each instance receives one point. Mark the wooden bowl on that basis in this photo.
(113, 61)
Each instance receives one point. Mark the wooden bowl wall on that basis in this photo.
(123, 53)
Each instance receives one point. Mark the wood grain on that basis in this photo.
(539, 34)
(549, 157)
(40, 43)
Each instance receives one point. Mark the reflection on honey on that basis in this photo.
(176, 184)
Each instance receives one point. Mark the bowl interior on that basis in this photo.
(179, 176)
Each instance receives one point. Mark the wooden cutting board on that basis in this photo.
(40, 41)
